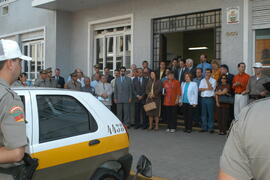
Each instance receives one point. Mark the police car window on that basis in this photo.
(62, 117)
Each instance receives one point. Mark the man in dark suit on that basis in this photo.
(174, 67)
(161, 73)
(122, 96)
(139, 85)
(190, 68)
(60, 80)
(181, 71)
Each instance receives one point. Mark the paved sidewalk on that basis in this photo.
(179, 156)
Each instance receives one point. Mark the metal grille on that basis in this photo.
(186, 22)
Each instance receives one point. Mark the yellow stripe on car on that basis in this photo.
(66, 154)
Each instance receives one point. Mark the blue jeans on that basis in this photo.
(207, 113)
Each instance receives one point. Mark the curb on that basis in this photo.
(140, 177)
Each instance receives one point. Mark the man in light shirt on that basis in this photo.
(207, 88)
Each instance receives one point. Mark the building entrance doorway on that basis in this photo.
(189, 44)
(187, 36)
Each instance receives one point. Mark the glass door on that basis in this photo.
(113, 48)
(35, 50)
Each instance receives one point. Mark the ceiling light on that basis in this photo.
(197, 48)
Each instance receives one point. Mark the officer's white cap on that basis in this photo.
(10, 49)
(257, 65)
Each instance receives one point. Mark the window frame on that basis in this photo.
(254, 29)
(127, 31)
(89, 116)
(37, 147)
(35, 57)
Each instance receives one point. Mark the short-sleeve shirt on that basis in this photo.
(12, 122)
(246, 154)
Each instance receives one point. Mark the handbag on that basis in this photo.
(151, 105)
(225, 99)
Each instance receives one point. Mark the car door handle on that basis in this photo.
(94, 142)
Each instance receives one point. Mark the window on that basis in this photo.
(34, 49)
(62, 117)
(5, 10)
(262, 48)
(113, 47)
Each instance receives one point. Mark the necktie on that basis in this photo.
(141, 81)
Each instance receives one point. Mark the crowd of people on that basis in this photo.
(204, 94)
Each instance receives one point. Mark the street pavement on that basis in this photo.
(178, 156)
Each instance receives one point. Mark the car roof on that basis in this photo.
(37, 88)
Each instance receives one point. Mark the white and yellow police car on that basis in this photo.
(74, 136)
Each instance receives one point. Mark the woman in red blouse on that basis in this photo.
(171, 92)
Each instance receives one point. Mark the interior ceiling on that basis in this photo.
(74, 5)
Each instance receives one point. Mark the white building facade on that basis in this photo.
(71, 34)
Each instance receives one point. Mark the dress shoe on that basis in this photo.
(136, 127)
(202, 131)
(188, 131)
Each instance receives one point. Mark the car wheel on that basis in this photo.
(106, 174)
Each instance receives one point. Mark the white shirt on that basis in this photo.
(208, 93)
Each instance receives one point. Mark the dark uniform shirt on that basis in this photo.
(246, 154)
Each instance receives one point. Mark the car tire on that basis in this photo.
(106, 174)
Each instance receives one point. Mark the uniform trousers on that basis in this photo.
(240, 101)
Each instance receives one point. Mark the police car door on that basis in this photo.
(66, 135)
(25, 97)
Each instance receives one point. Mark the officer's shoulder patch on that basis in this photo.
(17, 113)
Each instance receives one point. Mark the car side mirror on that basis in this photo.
(144, 167)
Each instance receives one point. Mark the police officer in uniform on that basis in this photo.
(51, 81)
(246, 154)
(42, 81)
(73, 83)
(13, 138)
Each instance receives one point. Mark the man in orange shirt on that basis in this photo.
(171, 92)
(240, 82)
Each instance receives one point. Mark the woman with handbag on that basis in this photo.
(189, 100)
(223, 98)
(153, 101)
